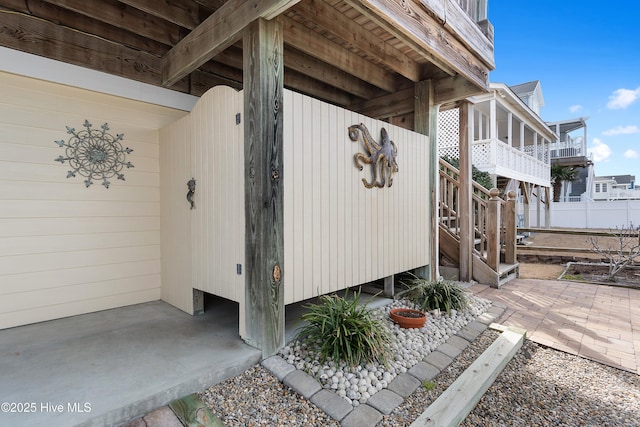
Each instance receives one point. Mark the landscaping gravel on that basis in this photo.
(539, 387)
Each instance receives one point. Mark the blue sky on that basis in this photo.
(586, 56)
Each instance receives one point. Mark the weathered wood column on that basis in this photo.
(426, 123)
(465, 215)
(493, 229)
(510, 229)
(263, 172)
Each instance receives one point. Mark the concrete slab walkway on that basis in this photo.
(109, 367)
(598, 322)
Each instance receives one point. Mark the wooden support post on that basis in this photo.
(263, 174)
(493, 230)
(510, 229)
(426, 123)
(465, 216)
(538, 206)
(547, 207)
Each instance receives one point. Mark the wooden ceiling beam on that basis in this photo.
(121, 16)
(317, 89)
(181, 12)
(39, 37)
(311, 67)
(324, 72)
(220, 30)
(307, 41)
(383, 107)
(338, 24)
(453, 88)
(412, 24)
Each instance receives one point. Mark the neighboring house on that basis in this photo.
(508, 140)
(570, 150)
(280, 210)
(618, 187)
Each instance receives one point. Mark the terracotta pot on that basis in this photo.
(410, 319)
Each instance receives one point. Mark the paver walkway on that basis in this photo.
(598, 322)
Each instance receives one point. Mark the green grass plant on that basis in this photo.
(344, 330)
(444, 295)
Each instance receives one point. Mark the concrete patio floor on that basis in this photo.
(112, 366)
(597, 322)
(126, 362)
(108, 367)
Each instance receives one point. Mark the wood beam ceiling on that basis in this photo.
(426, 35)
(219, 31)
(332, 52)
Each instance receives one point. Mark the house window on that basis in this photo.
(604, 187)
(597, 188)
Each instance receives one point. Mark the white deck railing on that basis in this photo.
(564, 149)
(496, 157)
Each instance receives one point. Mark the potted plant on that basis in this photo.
(407, 317)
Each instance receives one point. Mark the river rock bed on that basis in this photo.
(410, 346)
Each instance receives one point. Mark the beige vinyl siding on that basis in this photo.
(337, 233)
(202, 247)
(66, 249)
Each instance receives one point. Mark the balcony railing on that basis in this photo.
(476, 9)
(564, 149)
(496, 157)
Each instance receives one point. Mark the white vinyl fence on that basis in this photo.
(592, 214)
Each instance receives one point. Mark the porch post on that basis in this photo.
(493, 230)
(510, 232)
(263, 174)
(547, 207)
(426, 123)
(510, 129)
(465, 215)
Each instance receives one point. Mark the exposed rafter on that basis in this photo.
(219, 31)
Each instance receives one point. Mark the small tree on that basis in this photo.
(560, 174)
(623, 254)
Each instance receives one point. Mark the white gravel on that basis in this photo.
(410, 346)
(539, 387)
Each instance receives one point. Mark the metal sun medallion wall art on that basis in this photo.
(381, 157)
(94, 154)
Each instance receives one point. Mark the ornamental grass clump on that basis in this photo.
(343, 330)
(443, 295)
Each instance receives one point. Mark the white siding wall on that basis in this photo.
(66, 249)
(337, 233)
(202, 247)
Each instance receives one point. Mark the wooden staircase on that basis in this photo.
(493, 231)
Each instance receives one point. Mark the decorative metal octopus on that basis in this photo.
(382, 157)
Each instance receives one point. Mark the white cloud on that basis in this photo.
(631, 154)
(622, 98)
(622, 130)
(601, 151)
(575, 108)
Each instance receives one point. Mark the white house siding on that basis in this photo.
(202, 247)
(66, 249)
(337, 233)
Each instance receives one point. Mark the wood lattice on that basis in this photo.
(449, 133)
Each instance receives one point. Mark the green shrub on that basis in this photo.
(482, 178)
(345, 331)
(444, 295)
